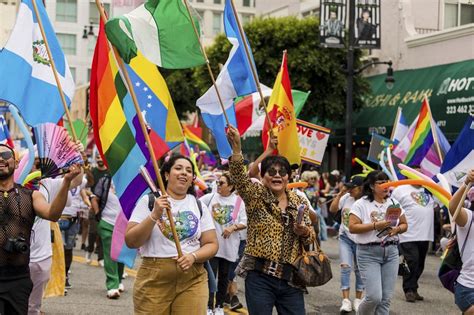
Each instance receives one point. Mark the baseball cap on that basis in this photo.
(355, 182)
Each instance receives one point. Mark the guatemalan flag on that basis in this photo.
(235, 79)
(459, 159)
(5, 137)
(26, 77)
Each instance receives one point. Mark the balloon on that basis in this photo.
(31, 176)
(390, 163)
(365, 166)
(419, 182)
(436, 193)
(31, 151)
(419, 174)
(297, 185)
(383, 166)
(444, 182)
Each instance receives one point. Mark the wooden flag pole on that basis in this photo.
(395, 124)
(207, 62)
(53, 67)
(461, 203)
(156, 167)
(252, 66)
(433, 130)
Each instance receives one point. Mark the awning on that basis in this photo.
(449, 87)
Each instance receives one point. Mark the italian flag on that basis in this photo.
(161, 30)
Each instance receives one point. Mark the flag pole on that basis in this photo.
(207, 62)
(433, 131)
(156, 167)
(53, 67)
(395, 124)
(252, 66)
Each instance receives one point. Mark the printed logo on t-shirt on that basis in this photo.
(186, 224)
(420, 197)
(345, 216)
(222, 214)
(376, 216)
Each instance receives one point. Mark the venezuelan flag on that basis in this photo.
(422, 137)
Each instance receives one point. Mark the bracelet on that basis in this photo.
(195, 257)
(399, 230)
(153, 219)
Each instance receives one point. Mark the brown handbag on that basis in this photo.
(312, 268)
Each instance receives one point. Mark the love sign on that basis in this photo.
(313, 141)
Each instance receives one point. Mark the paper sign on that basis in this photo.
(392, 214)
(313, 141)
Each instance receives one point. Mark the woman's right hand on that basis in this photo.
(380, 225)
(470, 177)
(161, 203)
(234, 139)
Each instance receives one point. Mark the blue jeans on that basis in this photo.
(379, 269)
(347, 255)
(263, 292)
(463, 297)
(69, 231)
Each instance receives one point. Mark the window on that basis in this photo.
(73, 73)
(246, 18)
(94, 13)
(246, 3)
(216, 23)
(66, 10)
(91, 41)
(217, 1)
(200, 1)
(457, 13)
(67, 42)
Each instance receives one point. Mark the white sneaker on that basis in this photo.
(88, 258)
(219, 311)
(121, 287)
(346, 306)
(113, 294)
(124, 275)
(210, 312)
(101, 263)
(356, 304)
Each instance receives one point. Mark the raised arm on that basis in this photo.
(461, 219)
(271, 147)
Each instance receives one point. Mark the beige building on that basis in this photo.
(280, 8)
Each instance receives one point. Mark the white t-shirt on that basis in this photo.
(112, 208)
(418, 206)
(40, 243)
(189, 226)
(345, 205)
(223, 210)
(76, 200)
(370, 212)
(466, 278)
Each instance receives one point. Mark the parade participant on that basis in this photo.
(377, 220)
(228, 211)
(414, 244)
(343, 202)
(166, 284)
(69, 224)
(464, 286)
(106, 207)
(18, 208)
(274, 236)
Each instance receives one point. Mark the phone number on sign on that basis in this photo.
(461, 109)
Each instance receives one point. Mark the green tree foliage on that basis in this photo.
(311, 67)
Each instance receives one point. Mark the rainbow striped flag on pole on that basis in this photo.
(117, 131)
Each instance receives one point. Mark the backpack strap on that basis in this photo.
(199, 203)
(238, 203)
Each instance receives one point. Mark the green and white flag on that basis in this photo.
(160, 30)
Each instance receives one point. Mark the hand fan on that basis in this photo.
(56, 150)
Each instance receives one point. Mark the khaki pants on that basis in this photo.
(161, 287)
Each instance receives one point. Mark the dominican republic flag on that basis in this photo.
(459, 159)
(26, 76)
(235, 79)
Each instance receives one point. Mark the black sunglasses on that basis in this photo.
(272, 172)
(6, 155)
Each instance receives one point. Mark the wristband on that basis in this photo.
(195, 257)
(153, 219)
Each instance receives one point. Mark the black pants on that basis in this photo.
(415, 255)
(94, 239)
(220, 267)
(14, 295)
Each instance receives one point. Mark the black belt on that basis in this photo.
(379, 243)
(274, 269)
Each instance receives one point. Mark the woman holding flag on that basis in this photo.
(165, 283)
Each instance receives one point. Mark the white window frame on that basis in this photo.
(458, 3)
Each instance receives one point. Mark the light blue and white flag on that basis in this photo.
(458, 160)
(235, 79)
(400, 127)
(26, 77)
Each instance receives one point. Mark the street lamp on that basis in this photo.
(86, 33)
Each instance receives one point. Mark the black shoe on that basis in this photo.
(227, 300)
(68, 285)
(418, 297)
(235, 303)
(83, 247)
(410, 297)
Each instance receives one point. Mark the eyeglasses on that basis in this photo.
(6, 155)
(272, 172)
(221, 183)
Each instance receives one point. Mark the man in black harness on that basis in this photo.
(18, 208)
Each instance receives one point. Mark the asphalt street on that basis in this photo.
(88, 293)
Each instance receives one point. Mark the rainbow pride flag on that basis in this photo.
(117, 131)
(422, 137)
(193, 141)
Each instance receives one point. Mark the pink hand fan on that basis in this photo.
(56, 150)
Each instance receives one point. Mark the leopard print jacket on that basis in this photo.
(269, 233)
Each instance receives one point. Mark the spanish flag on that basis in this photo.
(282, 116)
